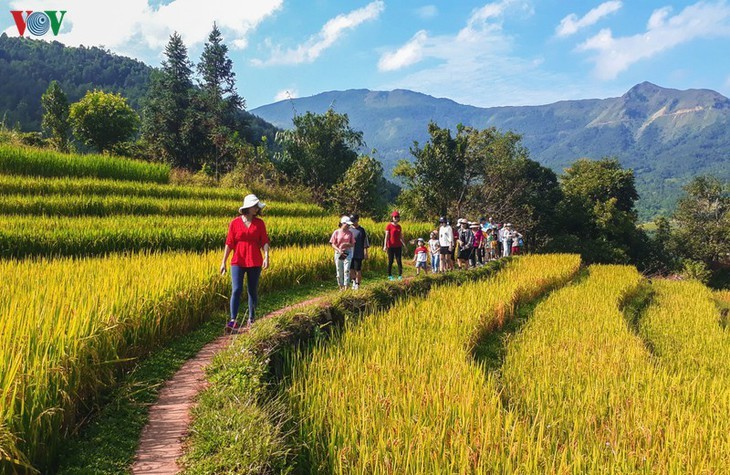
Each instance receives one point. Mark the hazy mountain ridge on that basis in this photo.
(666, 135)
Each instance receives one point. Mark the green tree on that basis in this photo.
(480, 172)
(360, 190)
(702, 221)
(436, 177)
(518, 190)
(597, 213)
(167, 119)
(318, 150)
(55, 116)
(218, 103)
(101, 120)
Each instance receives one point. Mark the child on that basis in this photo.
(420, 256)
(434, 248)
(517, 243)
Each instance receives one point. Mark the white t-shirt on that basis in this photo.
(446, 236)
(434, 245)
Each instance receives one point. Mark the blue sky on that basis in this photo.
(509, 52)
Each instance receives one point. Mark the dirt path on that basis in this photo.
(161, 442)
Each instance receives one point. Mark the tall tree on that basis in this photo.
(218, 101)
(101, 120)
(318, 150)
(598, 213)
(702, 221)
(436, 175)
(168, 120)
(55, 116)
(361, 189)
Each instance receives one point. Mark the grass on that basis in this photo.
(28, 236)
(19, 160)
(400, 392)
(107, 444)
(580, 379)
(114, 205)
(237, 426)
(64, 340)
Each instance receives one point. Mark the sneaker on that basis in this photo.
(233, 326)
(400, 277)
(355, 286)
(249, 322)
(390, 277)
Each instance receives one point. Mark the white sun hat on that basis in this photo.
(250, 201)
(345, 219)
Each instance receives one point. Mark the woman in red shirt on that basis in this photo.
(393, 244)
(246, 238)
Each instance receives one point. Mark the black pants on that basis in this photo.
(397, 253)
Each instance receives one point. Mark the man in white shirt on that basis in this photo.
(446, 243)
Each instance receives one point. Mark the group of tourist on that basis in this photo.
(470, 244)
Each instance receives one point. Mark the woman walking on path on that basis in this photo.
(246, 238)
(342, 242)
(477, 256)
(359, 250)
(394, 244)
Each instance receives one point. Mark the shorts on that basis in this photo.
(356, 264)
(465, 254)
(422, 265)
(444, 251)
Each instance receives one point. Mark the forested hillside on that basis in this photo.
(28, 66)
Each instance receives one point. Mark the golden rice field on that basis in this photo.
(67, 324)
(30, 235)
(401, 393)
(580, 389)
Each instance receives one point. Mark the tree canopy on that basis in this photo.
(102, 119)
(319, 149)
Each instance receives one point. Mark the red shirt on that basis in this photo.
(247, 242)
(394, 235)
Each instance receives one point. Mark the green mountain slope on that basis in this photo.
(666, 135)
(27, 66)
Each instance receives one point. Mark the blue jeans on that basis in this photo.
(237, 274)
(435, 261)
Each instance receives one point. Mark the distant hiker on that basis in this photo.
(246, 238)
(342, 242)
(492, 244)
(446, 244)
(420, 256)
(507, 239)
(434, 249)
(394, 244)
(517, 243)
(359, 250)
(466, 242)
(477, 256)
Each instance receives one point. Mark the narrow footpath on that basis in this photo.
(161, 443)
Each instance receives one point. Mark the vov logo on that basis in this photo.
(38, 23)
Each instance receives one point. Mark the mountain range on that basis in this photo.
(666, 135)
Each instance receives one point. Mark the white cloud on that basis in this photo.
(311, 49)
(614, 55)
(427, 12)
(285, 94)
(479, 35)
(571, 23)
(409, 53)
(476, 65)
(135, 27)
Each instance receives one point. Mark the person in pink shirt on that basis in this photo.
(342, 242)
